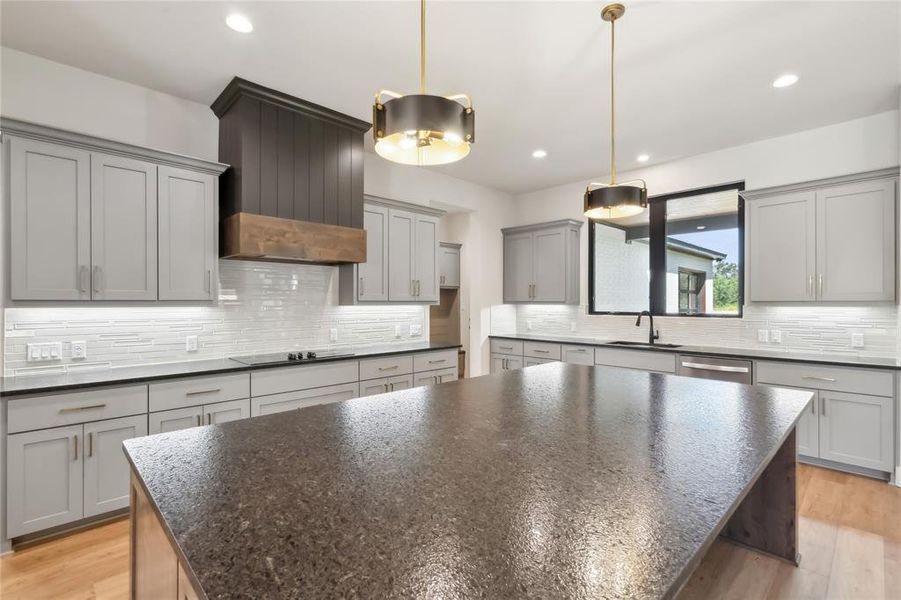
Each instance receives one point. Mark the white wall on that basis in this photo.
(46, 92)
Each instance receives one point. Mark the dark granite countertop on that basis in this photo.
(557, 481)
(39, 384)
(839, 360)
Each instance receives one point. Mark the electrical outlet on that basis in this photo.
(397, 333)
(44, 352)
(776, 336)
(572, 325)
(191, 343)
(79, 349)
(333, 334)
(529, 324)
(415, 330)
(763, 335)
(857, 340)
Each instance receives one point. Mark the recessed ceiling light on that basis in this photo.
(239, 23)
(643, 157)
(539, 154)
(785, 80)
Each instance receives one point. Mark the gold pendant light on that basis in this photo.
(614, 200)
(421, 129)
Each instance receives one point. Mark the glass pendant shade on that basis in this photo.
(421, 129)
(615, 201)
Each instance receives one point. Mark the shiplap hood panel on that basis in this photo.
(294, 192)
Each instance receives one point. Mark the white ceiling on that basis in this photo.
(692, 77)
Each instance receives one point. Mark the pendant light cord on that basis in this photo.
(612, 105)
(422, 46)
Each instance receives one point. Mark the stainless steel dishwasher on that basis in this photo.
(723, 369)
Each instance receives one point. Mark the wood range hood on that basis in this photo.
(294, 191)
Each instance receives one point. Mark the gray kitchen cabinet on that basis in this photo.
(808, 430)
(123, 228)
(384, 385)
(188, 250)
(106, 470)
(504, 362)
(435, 377)
(856, 242)
(449, 265)
(782, 247)
(531, 362)
(173, 420)
(50, 220)
(856, 429)
(579, 355)
(541, 262)
(223, 412)
(276, 403)
(401, 246)
(425, 258)
(44, 479)
(372, 275)
(823, 241)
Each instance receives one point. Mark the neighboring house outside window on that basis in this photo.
(689, 278)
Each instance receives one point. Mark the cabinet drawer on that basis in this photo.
(636, 359)
(293, 400)
(531, 362)
(506, 347)
(198, 390)
(541, 350)
(825, 377)
(372, 368)
(289, 379)
(429, 361)
(41, 412)
(579, 355)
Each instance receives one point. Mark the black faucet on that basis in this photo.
(652, 335)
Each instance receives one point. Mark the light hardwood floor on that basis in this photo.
(850, 532)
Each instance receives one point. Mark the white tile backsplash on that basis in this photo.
(263, 307)
(806, 329)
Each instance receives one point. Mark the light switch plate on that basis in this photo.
(763, 335)
(529, 324)
(191, 343)
(857, 340)
(776, 336)
(333, 334)
(397, 331)
(572, 325)
(48, 351)
(79, 349)
(415, 329)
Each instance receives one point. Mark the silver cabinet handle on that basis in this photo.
(542, 351)
(418, 288)
(209, 280)
(818, 378)
(199, 392)
(199, 420)
(437, 362)
(96, 279)
(810, 285)
(385, 387)
(820, 286)
(823, 407)
(362, 293)
(76, 448)
(412, 287)
(579, 350)
(392, 386)
(209, 418)
(813, 405)
(91, 444)
(506, 347)
(74, 409)
(388, 368)
(504, 363)
(721, 368)
(83, 276)
(435, 379)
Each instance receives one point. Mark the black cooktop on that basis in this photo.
(292, 357)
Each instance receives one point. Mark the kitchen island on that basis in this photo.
(554, 481)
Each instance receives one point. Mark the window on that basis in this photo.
(683, 256)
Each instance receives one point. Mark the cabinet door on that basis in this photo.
(401, 234)
(373, 387)
(400, 382)
(497, 364)
(425, 258)
(372, 282)
(782, 247)
(106, 470)
(579, 355)
(518, 258)
(856, 242)
(503, 362)
(531, 362)
(808, 430)
(44, 479)
(187, 238)
(50, 221)
(277, 403)
(449, 266)
(123, 228)
(549, 270)
(426, 378)
(223, 412)
(856, 429)
(173, 420)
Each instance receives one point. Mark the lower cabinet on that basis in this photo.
(531, 362)
(504, 362)
(223, 412)
(276, 403)
(856, 429)
(385, 384)
(807, 436)
(579, 355)
(435, 377)
(60, 475)
(194, 416)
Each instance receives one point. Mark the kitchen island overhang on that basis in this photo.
(557, 480)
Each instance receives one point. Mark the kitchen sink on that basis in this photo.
(624, 343)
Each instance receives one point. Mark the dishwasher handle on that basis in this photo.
(721, 368)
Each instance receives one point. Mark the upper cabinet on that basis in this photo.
(402, 256)
(541, 263)
(825, 241)
(449, 265)
(98, 220)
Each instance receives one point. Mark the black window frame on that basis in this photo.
(657, 259)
